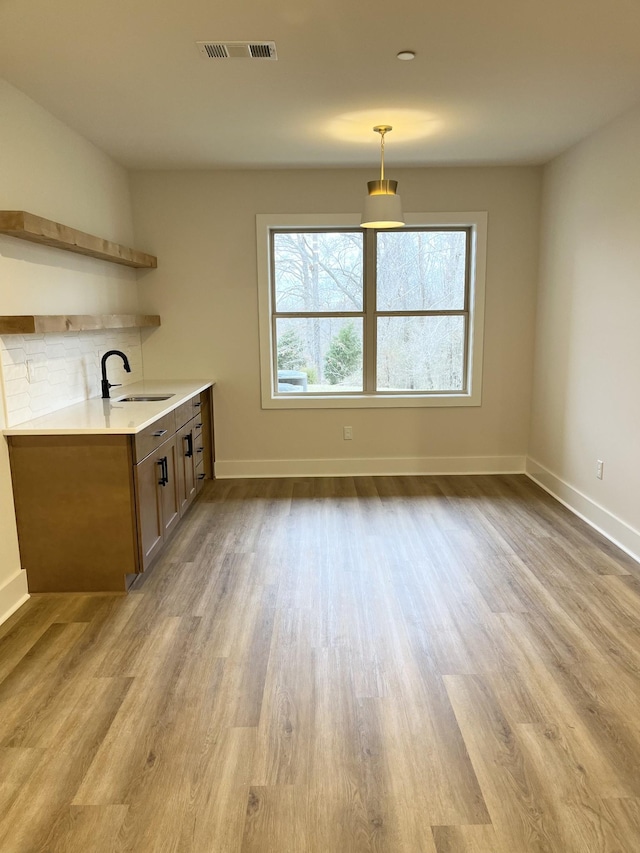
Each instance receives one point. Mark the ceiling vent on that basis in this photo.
(237, 49)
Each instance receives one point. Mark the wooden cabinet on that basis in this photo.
(169, 498)
(186, 466)
(203, 449)
(92, 509)
(157, 499)
(149, 506)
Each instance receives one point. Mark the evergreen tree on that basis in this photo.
(344, 355)
(290, 351)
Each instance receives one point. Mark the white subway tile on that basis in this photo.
(14, 356)
(19, 416)
(39, 389)
(35, 345)
(17, 401)
(14, 371)
(15, 387)
(11, 342)
(57, 377)
(55, 350)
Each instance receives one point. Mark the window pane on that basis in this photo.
(421, 270)
(319, 354)
(420, 353)
(318, 271)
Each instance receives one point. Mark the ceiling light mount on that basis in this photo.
(406, 55)
(382, 206)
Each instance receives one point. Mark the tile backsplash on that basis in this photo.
(43, 373)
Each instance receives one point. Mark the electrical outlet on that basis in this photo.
(599, 469)
(36, 370)
(347, 433)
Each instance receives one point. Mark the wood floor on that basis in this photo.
(397, 664)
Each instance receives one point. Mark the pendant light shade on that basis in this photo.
(382, 205)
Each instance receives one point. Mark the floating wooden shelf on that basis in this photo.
(31, 324)
(26, 226)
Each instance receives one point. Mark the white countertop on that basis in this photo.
(98, 416)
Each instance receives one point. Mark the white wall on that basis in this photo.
(586, 401)
(202, 226)
(47, 169)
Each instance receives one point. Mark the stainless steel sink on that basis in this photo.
(145, 398)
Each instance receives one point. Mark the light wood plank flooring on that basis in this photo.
(393, 664)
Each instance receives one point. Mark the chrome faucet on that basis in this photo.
(105, 382)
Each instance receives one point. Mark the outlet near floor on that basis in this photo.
(347, 433)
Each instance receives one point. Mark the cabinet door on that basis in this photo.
(149, 473)
(169, 496)
(186, 466)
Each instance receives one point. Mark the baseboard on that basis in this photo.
(234, 468)
(609, 525)
(13, 594)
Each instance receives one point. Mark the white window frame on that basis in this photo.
(476, 221)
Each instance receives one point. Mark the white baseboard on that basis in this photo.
(13, 594)
(234, 468)
(601, 519)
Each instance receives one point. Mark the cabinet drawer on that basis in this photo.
(184, 413)
(198, 402)
(198, 447)
(152, 436)
(188, 410)
(200, 475)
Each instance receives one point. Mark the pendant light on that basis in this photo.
(382, 207)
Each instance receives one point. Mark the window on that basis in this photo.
(363, 317)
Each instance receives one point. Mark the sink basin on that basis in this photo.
(145, 398)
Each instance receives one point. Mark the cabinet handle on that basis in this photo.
(197, 405)
(160, 433)
(201, 476)
(198, 426)
(189, 439)
(164, 471)
(200, 450)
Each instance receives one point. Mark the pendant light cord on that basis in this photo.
(382, 133)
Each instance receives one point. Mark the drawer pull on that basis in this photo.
(201, 476)
(197, 405)
(198, 426)
(164, 471)
(200, 450)
(160, 433)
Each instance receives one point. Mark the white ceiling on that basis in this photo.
(493, 81)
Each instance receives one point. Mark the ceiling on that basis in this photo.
(497, 81)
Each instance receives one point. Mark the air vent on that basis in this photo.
(215, 51)
(237, 49)
(260, 51)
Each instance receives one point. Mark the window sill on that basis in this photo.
(371, 401)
